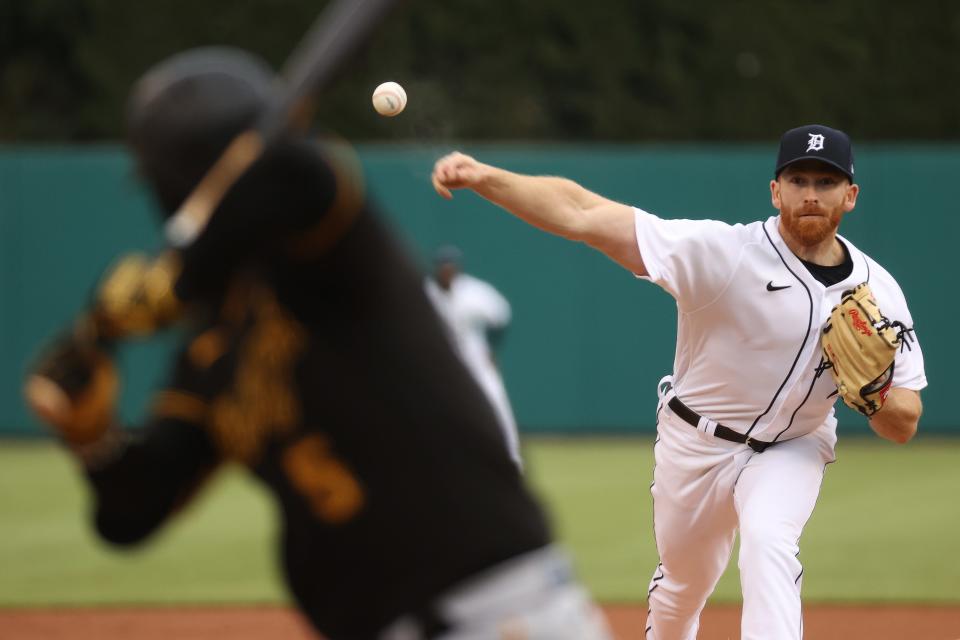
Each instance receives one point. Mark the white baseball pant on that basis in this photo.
(531, 597)
(704, 490)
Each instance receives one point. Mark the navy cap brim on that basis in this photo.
(818, 158)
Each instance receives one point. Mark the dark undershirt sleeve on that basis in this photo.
(157, 473)
(160, 468)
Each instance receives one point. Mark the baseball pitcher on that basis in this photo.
(775, 320)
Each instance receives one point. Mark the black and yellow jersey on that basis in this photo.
(318, 363)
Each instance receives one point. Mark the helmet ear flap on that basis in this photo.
(184, 112)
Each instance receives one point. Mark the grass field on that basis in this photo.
(885, 529)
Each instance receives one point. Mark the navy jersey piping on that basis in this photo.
(815, 378)
(799, 406)
(805, 337)
(654, 583)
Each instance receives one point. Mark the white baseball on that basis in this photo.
(389, 99)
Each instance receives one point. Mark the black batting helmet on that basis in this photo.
(185, 110)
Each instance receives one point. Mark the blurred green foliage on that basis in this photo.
(539, 69)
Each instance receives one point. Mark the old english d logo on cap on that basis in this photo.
(816, 142)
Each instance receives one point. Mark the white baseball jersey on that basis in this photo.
(470, 308)
(748, 357)
(749, 321)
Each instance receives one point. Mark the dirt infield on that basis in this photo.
(277, 623)
(821, 622)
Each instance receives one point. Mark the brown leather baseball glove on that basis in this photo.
(859, 347)
(73, 387)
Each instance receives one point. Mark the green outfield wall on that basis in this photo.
(588, 342)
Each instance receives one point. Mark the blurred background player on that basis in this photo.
(313, 358)
(477, 316)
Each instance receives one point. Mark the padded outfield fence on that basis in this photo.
(588, 342)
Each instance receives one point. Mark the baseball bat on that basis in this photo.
(334, 36)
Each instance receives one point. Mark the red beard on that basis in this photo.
(810, 230)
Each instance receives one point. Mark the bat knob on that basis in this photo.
(181, 230)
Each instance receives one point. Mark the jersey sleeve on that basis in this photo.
(293, 200)
(163, 465)
(491, 307)
(693, 260)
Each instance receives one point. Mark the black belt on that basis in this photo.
(692, 418)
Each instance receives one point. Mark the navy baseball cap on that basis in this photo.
(448, 254)
(816, 142)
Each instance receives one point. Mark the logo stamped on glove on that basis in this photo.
(859, 323)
